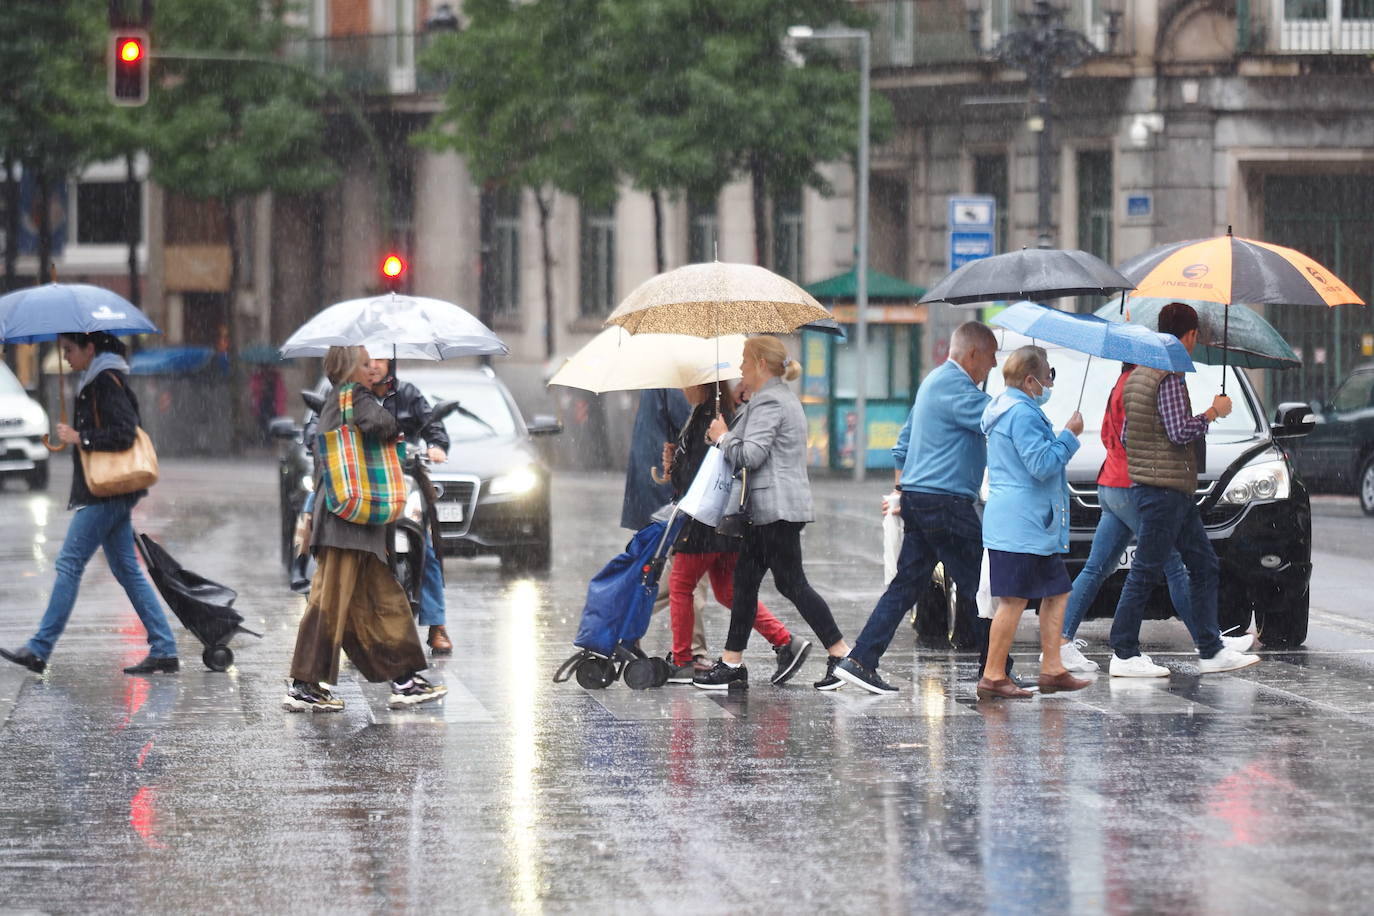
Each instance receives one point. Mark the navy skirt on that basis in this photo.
(1026, 575)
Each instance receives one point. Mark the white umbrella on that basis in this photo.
(401, 327)
(616, 360)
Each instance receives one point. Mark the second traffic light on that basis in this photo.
(128, 79)
(393, 272)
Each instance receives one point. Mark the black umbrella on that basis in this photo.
(1037, 274)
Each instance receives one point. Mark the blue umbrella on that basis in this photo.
(1128, 343)
(43, 312)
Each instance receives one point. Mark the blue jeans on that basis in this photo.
(1118, 525)
(102, 525)
(1169, 520)
(941, 528)
(433, 611)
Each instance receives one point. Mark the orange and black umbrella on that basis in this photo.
(1235, 271)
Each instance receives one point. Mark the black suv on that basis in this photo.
(1338, 455)
(1255, 509)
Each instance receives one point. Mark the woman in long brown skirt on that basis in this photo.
(355, 602)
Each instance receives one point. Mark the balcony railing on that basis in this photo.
(917, 33)
(382, 64)
(1305, 26)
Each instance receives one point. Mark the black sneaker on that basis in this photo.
(722, 677)
(862, 676)
(681, 674)
(413, 691)
(790, 658)
(829, 682)
(301, 696)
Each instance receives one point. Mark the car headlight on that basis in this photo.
(415, 507)
(1262, 480)
(514, 483)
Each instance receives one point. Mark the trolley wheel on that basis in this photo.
(217, 658)
(595, 674)
(640, 674)
(662, 671)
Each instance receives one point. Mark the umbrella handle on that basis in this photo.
(1084, 387)
(1225, 339)
(61, 407)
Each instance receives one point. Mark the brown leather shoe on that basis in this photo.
(1002, 687)
(1063, 681)
(439, 643)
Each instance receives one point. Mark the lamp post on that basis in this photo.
(862, 36)
(1043, 48)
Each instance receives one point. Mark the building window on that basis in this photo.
(787, 235)
(597, 260)
(990, 180)
(1327, 25)
(703, 230)
(1095, 203)
(505, 251)
(105, 210)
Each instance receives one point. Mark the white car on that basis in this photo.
(23, 421)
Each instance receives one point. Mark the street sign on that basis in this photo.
(972, 228)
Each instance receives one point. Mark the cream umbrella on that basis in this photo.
(616, 360)
(708, 300)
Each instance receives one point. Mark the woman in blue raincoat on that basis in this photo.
(1026, 521)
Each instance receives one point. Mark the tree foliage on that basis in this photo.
(229, 128)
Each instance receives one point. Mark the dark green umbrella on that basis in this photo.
(1253, 343)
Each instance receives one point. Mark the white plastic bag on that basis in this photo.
(710, 490)
(987, 605)
(892, 535)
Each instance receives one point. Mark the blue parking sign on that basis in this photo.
(972, 227)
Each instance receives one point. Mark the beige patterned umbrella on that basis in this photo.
(709, 300)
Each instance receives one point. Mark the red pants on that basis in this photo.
(688, 568)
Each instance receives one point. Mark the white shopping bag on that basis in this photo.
(710, 490)
(892, 535)
(987, 605)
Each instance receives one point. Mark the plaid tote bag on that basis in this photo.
(362, 480)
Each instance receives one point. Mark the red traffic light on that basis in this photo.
(393, 267)
(128, 76)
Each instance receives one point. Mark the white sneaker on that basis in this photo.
(1239, 643)
(1073, 658)
(1227, 659)
(1139, 666)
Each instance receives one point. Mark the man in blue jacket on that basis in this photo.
(941, 455)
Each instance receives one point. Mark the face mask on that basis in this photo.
(1043, 398)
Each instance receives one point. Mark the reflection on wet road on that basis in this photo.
(1234, 793)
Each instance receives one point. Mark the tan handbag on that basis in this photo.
(118, 473)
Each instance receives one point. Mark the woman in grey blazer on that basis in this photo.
(769, 439)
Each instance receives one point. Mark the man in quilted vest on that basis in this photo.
(1161, 434)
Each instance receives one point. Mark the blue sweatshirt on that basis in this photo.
(941, 448)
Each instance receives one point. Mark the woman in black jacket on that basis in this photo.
(105, 419)
(700, 551)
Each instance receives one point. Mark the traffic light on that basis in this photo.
(393, 272)
(129, 67)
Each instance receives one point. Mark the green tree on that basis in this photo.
(521, 106)
(231, 120)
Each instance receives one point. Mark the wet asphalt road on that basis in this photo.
(1244, 792)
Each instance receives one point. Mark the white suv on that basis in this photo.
(23, 421)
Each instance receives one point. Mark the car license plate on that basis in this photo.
(1127, 558)
(450, 512)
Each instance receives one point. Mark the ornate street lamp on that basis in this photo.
(1044, 49)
